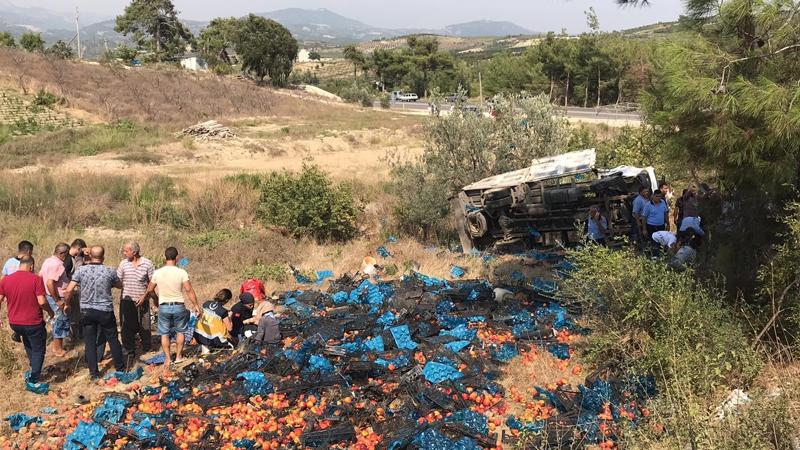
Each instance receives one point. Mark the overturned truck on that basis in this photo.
(547, 203)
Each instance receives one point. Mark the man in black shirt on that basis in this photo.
(241, 312)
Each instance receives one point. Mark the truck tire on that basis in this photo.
(477, 225)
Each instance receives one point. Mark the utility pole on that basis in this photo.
(480, 88)
(78, 31)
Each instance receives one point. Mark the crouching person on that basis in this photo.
(241, 315)
(214, 324)
(269, 332)
(686, 254)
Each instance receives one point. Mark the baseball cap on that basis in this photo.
(247, 298)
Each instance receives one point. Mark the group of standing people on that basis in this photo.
(74, 289)
(650, 223)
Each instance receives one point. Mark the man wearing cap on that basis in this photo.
(241, 313)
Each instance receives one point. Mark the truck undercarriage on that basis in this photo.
(547, 203)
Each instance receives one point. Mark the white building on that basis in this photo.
(193, 62)
(303, 55)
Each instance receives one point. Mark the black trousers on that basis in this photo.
(34, 338)
(95, 324)
(76, 330)
(655, 228)
(135, 321)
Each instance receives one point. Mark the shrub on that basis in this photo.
(357, 93)
(646, 319)
(154, 202)
(220, 204)
(304, 77)
(212, 239)
(266, 272)
(249, 180)
(659, 321)
(386, 101)
(309, 204)
(47, 99)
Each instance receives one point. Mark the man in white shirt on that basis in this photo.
(665, 239)
(170, 283)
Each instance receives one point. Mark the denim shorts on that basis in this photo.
(172, 319)
(61, 324)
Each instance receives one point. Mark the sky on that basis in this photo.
(536, 15)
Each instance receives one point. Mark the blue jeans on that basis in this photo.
(61, 322)
(172, 319)
(692, 223)
(34, 338)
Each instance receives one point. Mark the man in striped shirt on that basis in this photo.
(135, 271)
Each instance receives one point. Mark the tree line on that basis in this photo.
(592, 69)
(33, 42)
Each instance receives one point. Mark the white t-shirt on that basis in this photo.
(169, 284)
(665, 238)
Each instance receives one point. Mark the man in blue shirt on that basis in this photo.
(638, 225)
(597, 226)
(655, 214)
(24, 249)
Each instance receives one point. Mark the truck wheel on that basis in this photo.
(477, 224)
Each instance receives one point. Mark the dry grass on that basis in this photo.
(165, 95)
(141, 157)
(52, 148)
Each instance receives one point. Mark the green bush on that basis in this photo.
(309, 204)
(47, 99)
(249, 180)
(266, 272)
(386, 101)
(154, 202)
(763, 423)
(358, 93)
(304, 77)
(646, 319)
(212, 239)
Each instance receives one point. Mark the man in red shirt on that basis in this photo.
(25, 293)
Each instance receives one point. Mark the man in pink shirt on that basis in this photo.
(56, 279)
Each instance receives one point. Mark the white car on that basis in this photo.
(399, 96)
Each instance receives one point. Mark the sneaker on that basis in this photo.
(37, 388)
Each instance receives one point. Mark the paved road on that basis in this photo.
(602, 114)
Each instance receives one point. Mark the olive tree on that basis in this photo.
(266, 48)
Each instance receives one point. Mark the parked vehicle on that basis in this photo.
(546, 203)
(399, 96)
